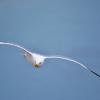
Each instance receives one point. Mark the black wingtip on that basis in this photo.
(95, 73)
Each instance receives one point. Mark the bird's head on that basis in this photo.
(38, 60)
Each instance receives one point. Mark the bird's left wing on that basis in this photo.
(72, 60)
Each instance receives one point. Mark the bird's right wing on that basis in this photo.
(15, 45)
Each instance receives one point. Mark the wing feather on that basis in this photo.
(15, 45)
(69, 59)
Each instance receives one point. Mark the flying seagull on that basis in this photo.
(37, 59)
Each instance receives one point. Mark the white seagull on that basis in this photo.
(37, 59)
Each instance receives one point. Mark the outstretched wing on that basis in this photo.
(69, 59)
(27, 54)
(15, 45)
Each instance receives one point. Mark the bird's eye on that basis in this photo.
(40, 63)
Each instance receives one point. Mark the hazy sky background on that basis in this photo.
(64, 27)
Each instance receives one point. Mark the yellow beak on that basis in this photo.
(37, 65)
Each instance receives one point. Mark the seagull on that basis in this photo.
(38, 59)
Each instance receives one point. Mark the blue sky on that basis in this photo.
(64, 27)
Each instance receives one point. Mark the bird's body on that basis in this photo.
(37, 59)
